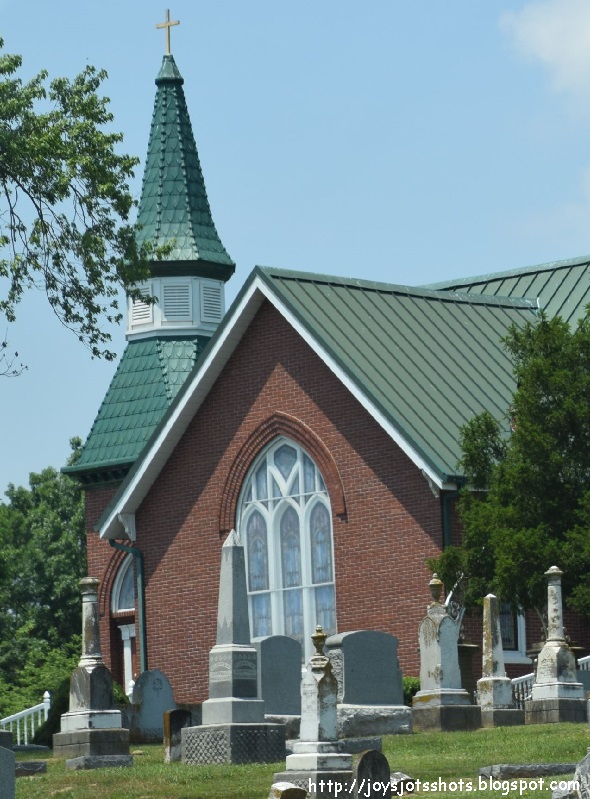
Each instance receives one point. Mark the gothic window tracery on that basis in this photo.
(285, 514)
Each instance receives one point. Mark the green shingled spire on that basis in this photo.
(174, 205)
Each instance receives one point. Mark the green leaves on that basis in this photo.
(528, 503)
(65, 202)
(42, 558)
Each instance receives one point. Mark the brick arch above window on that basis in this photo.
(279, 424)
(106, 583)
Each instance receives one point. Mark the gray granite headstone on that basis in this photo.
(279, 675)
(366, 666)
(7, 773)
(373, 775)
(234, 729)
(153, 696)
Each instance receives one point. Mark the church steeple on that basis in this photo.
(174, 212)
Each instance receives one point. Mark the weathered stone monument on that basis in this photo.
(7, 773)
(556, 696)
(494, 689)
(372, 776)
(91, 734)
(316, 759)
(441, 703)
(151, 697)
(233, 729)
(370, 691)
(175, 721)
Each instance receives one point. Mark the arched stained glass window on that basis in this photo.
(285, 514)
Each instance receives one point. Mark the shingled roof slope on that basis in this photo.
(148, 377)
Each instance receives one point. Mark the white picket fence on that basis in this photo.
(522, 687)
(25, 723)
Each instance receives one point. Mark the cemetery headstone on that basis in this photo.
(6, 739)
(7, 773)
(317, 764)
(557, 695)
(286, 790)
(233, 729)
(279, 675)
(152, 696)
(372, 776)
(91, 733)
(174, 722)
(441, 703)
(494, 689)
(370, 691)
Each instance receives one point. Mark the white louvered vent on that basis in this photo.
(177, 302)
(142, 313)
(211, 303)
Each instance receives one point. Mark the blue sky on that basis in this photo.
(394, 141)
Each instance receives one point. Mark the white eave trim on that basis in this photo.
(209, 371)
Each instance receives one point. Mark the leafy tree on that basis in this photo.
(43, 556)
(527, 503)
(64, 202)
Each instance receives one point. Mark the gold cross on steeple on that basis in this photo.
(167, 25)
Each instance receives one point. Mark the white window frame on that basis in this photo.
(118, 584)
(272, 516)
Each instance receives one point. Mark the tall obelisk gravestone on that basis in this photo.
(233, 729)
(441, 703)
(494, 689)
(557, 695)
(91, 732)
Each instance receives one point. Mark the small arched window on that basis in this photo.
(123, 593)
(285, 520)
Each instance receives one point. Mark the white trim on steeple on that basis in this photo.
(185, 305)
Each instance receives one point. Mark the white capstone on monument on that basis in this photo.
(557, 695)
(494, 689)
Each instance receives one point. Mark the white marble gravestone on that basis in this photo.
(494, 689)
(441, 703)
(557, 695)
(316, 757)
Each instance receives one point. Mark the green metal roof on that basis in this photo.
(174, 205)
(429, 361)
(562, 287)
(149, 376)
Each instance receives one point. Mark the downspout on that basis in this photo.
(446, 515)
(143, 662)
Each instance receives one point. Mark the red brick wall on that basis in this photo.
(386, 520)
(391, 524)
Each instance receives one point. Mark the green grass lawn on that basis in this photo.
(427, 756)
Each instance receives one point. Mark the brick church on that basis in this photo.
(318, 416)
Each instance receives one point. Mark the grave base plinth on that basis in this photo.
(320, 784)
(233, 743)
(501, 717)
(87, 762)
(92, 743)
(553, 711)
(446, 718)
